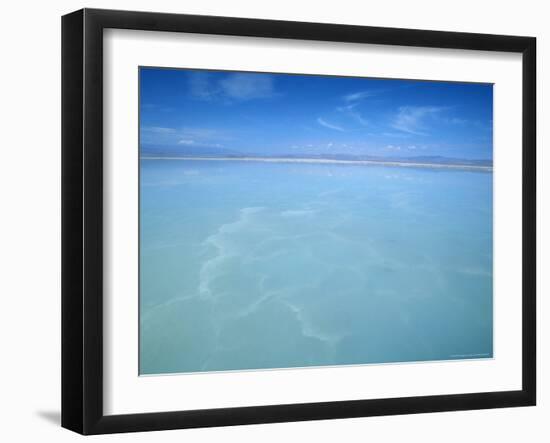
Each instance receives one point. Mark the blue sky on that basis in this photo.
(194, 111)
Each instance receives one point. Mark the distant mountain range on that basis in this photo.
(207, 151)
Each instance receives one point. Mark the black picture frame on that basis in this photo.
(82, 221)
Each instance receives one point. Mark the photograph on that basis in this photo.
(290, 221)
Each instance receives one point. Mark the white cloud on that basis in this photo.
(158, 130)
(201, 86)
(359, 118)
(346, 107)
(205, 144)
(355, 115)
(412, 119)
(329, 125)
(247, 86)
(239, 86)
(202, 134)
(458, 121)
(395, 134)
(356, 96)
(186, 136)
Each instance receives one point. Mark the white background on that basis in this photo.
(30, 222)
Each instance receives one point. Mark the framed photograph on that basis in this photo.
(268, 221)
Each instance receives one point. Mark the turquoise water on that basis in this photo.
(247, 265)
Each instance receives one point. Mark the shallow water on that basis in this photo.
(247, 265)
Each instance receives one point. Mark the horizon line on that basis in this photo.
(398, 163)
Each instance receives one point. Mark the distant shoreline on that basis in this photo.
(331, 161)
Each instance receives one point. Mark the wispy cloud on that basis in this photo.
(359, 118)
(329, 125)
(458, 121)
(248, 86)
(346, 108)
(158, 130)
(203, 133)
(352, 101)
(238, 87)
(200, 137)
(201, 86)
(199, 144)
(357, 96)
(396, 134)
(412, 119)
(186, 136)
(353, 113)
